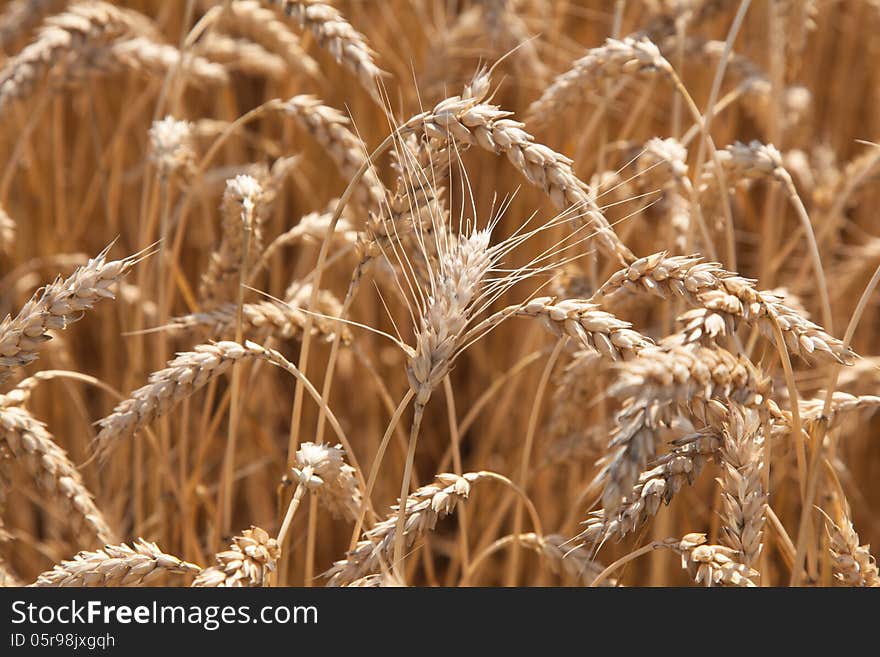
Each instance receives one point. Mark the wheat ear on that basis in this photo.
(116, 565)
(726, 297)
(249, 562)
(33, 447)
(65, 35)
(57, 306)
(336, 34)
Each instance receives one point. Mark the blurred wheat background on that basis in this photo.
(599, 295)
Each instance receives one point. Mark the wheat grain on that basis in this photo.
(712, 564)
(653, 385)
(852, 564)
(588, 326)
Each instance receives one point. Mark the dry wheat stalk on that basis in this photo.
(799, 20)
(65, 36)
(56, 307)
(468, 120)
(615, 59)
(510, 33)
(323, 471)
(116, 565)
(184, 375)
(727, 296)
(261, 25)
(752, 84)
(312, 227)
(668, 15)
(423, 508)
(249, 562)
(417, 204)
(336, 34)
(33, 447)
(329, 127)
(742, 489)
(299, 295)
(842, 403)
(663, 165)
(572, 439)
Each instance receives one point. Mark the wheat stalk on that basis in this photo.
(241, 55)
(143, 55)
(282, 320)
(241, 202)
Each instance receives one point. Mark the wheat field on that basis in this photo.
(589, 284)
